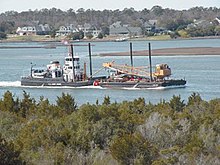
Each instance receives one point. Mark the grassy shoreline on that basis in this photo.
(12, 39)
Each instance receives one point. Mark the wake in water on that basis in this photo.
(10, 84)
(156, 88)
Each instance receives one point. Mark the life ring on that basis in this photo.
(96, 83)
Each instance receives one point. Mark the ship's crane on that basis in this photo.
(161, 71)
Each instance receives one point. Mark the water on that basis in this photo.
(201, 72)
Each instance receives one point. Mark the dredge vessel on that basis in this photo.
(121, 76)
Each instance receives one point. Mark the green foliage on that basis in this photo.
(195, 98)
(7, 26)
(177, 24)
(106, 100)
(27, 105)
(130, 132)
(100, 36)
(177, 104)
(3, 35)
(89, 36)
(8, 103)
(201, 31)
(132, 149)
(174, 35)
(8, 155)
(78, 35)
(66, 103)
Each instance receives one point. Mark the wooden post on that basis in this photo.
(131, 54)
(84, 73)
(90, 60)
(71, 49)
(149, 46)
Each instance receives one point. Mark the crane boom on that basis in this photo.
(162, 70)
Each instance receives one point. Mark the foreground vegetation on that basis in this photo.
(135, 132)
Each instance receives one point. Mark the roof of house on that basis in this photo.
(125, 30)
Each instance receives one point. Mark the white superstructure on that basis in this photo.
(68, 73)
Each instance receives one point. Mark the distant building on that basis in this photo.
(34, 30)
(86, 29)
(217, 19)
(199, 24)
(117, 29)
(89, 29)
(153, 22)
(67, 30)
(149, 27)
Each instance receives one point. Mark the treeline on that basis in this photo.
(131, 132)
(167, 18)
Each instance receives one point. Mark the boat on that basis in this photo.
(121, 39)
(125, 76)
(69, 75)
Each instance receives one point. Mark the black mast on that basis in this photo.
(71, 51)
(151, 78)
(131, 54)
(90, 60)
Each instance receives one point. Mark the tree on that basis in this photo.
(27, 104)
(105, 29)
(106, 100)
(8, 103)
(2, 35)
(8, 155)
(157, 10)
(53, 33)
(7, 26)
(100, 36)
(177, 104)
(66, 103)
(195, 98)
(78, 35)
(217, 31)
(133, 149)
(89, 36)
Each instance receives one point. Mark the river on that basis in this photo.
(201, 72)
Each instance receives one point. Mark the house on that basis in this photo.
(199, 24)
(89, 29)
(217, 19)
(72, 28)
(67, 30)
(34, 30)
(149, 27)
(117, 29)
(153, 22)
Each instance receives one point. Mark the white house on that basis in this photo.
(34, 30)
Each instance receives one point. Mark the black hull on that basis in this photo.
(154, 84)
(52, 82)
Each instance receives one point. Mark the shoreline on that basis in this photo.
(110, 39)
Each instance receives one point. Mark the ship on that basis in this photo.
(142, 77)
(69, 75)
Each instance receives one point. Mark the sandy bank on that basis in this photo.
(171, 52)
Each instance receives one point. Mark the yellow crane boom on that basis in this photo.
(161, 71)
